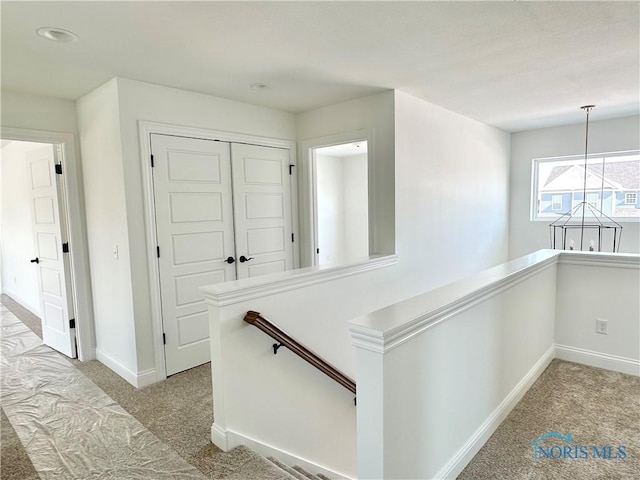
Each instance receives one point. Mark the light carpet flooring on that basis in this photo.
(177, 412)
(597, 407)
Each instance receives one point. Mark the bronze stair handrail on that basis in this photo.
(285, 340)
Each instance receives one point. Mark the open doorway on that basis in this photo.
(341, 202)
(35, 267)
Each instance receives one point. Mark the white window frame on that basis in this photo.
(594, 203)
(628, 195)
(534, 195)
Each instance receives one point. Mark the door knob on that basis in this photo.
(245, 259)
(230, 260)
(35, 260)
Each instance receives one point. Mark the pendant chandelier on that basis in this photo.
(570, 230)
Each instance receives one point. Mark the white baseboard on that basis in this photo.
(465, 454)
(219, 437)
(599, 360)
(138, 380)
(227, 440)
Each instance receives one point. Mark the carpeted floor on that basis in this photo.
(14, 460)
(596, 407)
(178, 411)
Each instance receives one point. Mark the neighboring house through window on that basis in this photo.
(611, 182)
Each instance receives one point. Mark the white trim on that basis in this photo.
(235, 439)
(152, 241)
(228, 293)
(145, 129)
(534, 216)
(23, 303)
(138, 380)
(471, 293)
(380, 332)
(615, 363)
(219, 437)
(599, 259)
(77, 234)
(307, 187)
(465, 454)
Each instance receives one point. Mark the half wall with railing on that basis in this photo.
(436, 374)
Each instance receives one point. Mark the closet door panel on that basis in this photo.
(262, 205)
(194, 222)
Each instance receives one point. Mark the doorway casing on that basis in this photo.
(64, 145)
(307, 200)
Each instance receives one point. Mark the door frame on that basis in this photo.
(71, 201)
(309, 203)
(145, 130)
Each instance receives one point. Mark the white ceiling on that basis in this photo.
(344, 149)
(514, 65)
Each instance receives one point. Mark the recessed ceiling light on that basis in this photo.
(260, 86)
(57, 34)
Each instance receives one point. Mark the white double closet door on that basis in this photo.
(215, 203)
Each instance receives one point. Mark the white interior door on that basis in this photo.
(194, 221)
(262, 209)
(56, 309)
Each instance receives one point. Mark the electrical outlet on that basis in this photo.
(601, 326)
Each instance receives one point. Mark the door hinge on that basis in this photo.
(158, 251)
(72, 323)
(291, 167)
(293, 238)
(58, 168)
(152, 165)
(65, 247)
(164, 339)
(317, 250)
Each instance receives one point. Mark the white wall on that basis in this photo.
(104, 186)
(442, 233)
(356, 206)
(330, 209)
(438, 373)
(434, 369)
(599, 289)
(108, 120)
(450, 202)
(342, 208)
(53, 120)
(452, 196)
(374, 114)
(36, 112)
(16, 227)
(143, 101)
(620, 134)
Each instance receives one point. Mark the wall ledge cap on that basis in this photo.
(237, 291)
(389, 327)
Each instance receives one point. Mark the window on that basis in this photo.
(611, 182)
